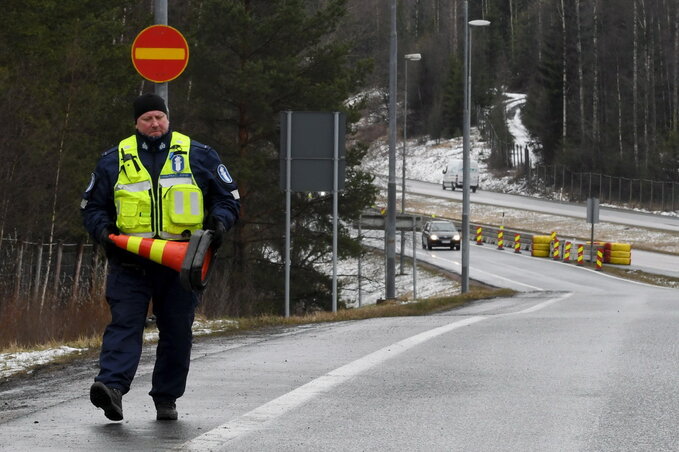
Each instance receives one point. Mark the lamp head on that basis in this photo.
(479, 23)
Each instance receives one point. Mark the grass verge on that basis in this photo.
(391, 309)
(640, 276)
(88, 347)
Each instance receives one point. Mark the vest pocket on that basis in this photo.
(134, 213)
(183, 204)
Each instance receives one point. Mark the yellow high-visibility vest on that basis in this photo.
(174, 210)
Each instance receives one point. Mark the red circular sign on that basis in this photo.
(160, 53)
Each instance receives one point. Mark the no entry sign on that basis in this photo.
(160, 53)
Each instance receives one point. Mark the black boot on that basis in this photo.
(108, 399)
(165, 411)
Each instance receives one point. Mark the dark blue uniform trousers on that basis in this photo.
(128, 292)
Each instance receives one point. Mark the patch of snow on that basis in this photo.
(515, 125)
(372, 285)
(11, 363)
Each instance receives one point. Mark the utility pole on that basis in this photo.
(390, 230)
(465, 159)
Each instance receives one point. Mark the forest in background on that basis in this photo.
(601, 78)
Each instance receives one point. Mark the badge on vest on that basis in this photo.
(224, 174)
(177, 163)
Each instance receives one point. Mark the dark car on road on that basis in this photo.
(440, 233)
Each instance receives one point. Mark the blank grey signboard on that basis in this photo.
(312, 140)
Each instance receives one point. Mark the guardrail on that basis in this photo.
(559, 248)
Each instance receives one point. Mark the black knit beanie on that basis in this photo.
(148, 102)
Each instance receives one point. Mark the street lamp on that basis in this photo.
(465, 143)
(408, 57)
(390, 226)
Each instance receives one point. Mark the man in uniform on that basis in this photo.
(159, 184)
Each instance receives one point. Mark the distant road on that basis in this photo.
(607, 214)
(643, 260)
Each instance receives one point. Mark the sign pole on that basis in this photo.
(592, 217)
(288, 173)
(360, 255)
(160, 8)
(414, 260)
(335, 214)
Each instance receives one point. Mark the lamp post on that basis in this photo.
(465, 144)
(390, 227)
(408, 57)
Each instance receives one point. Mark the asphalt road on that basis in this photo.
(647, 261)
(578, 361)
(607, 214)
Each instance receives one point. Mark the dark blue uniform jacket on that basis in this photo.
(220, 192)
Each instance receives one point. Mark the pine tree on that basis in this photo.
(65, 73)
(254, 60)
(453, 100)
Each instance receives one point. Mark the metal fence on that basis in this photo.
(35, 271)
(559, 182)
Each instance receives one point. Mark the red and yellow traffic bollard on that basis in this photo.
(581, 255)
(479, 235)
(517, 243)
(500, 238)
(567, 251)
(556, 251)
(599, 259)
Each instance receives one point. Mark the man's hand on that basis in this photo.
(218, 229)
(104, 239)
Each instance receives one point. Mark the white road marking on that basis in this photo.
(511, 282)
(217, 438)
(542, 305)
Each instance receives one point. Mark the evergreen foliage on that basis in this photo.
(61, 104)
(277, 58)
(453, 101)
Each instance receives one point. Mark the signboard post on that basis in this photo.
(312, 159)
(403, 222)
(160, 53)
(592, 217)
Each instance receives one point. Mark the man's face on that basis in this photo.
(153, 123)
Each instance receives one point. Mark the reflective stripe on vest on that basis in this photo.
(172, 211)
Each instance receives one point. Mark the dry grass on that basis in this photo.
(28, 325)
(240, 325)
(89, 346)
(389, 309)
(637, 275)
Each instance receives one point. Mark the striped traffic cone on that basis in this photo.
(191, 259)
